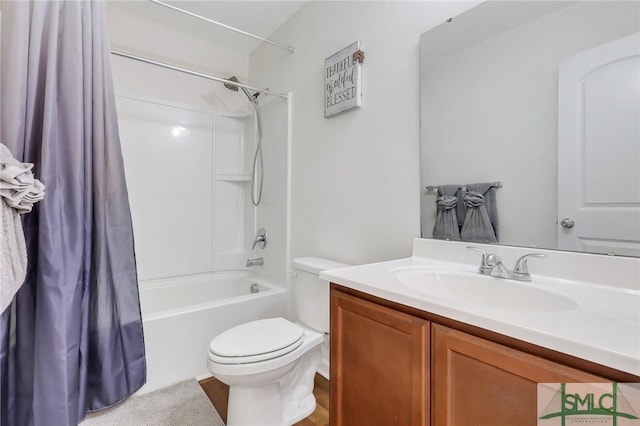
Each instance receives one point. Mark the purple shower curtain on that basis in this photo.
(72, 340)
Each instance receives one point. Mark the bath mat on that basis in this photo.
(183, 404)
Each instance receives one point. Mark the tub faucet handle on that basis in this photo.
(260, 240)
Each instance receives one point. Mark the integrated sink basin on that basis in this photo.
(474, 289)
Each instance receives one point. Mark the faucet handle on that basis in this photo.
(488, 261)
(484, 253)
(492, 259)
(521, 267)
(260, 239)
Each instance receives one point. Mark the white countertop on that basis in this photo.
(602, 326)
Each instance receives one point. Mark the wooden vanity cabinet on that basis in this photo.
(479, 382)
(379, 365)
(395, 365)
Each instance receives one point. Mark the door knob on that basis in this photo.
(567, 222)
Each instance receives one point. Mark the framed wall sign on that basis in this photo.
(343, 80)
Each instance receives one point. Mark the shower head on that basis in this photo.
(253, 98)
(231, 86)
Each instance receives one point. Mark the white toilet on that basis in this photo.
(270, 364)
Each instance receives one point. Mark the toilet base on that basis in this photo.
(265, 408)
(302, 409)
(253, 406)
(278, 404)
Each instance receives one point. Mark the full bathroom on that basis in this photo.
(196, 233)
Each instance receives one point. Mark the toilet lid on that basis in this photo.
(256, 341)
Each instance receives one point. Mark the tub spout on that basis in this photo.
(254, 262)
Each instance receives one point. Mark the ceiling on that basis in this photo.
(261, 18)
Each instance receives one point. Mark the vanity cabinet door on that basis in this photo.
(478, 382)
(379, 365)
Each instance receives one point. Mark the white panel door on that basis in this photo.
(599, 149)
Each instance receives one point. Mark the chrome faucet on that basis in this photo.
(254, 262)
(260, 240)
(521, 270)
(492, 265)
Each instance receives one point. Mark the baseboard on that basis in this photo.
(323, 370)
(203, 376)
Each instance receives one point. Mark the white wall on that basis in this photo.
(495, 105)
(355, 177)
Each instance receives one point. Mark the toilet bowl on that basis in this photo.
(270, 364)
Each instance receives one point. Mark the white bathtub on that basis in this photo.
(181, 316)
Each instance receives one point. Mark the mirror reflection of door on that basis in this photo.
(599, 149)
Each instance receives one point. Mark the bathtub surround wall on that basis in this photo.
(273, 214)
(354, 176)
(188, 179)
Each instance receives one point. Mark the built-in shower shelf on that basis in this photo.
(233, 177)
(234, 114)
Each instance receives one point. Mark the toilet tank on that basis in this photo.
(311, 293)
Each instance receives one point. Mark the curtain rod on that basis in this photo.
(196, 73)
(229, 27)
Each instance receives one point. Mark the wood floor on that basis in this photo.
(218, 393)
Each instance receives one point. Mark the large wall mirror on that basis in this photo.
(540, 101)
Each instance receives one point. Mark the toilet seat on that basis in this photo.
(256, 341)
